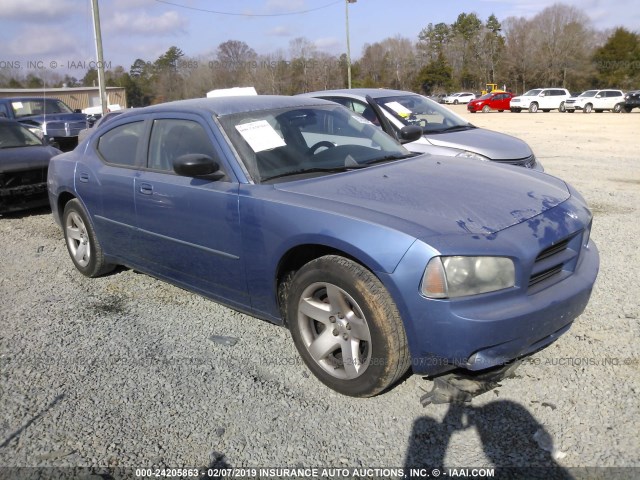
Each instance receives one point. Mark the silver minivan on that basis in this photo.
(443, 131)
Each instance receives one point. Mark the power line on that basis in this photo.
(249, 14)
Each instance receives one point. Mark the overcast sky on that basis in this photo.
(56, 32)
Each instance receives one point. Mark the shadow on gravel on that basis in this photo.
(18, 432)
(27, 213)
(217, 468)
(507, 431)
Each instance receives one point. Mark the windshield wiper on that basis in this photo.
(313, 170)
(455, 127)
(389, 158)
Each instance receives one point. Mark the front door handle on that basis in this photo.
(84, 177)
(146, 189)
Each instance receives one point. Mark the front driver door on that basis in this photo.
(189, 227)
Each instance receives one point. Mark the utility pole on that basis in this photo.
(347, 2)
(98, 36)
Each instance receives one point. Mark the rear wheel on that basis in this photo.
(588, 108)
(617, 108)
(346, 327)
(561, 108)
(486, 109)
(82, 244)
(533, 108)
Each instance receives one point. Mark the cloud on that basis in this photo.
(40, 11)
(50, 42)
(141, 23)
(280, 31)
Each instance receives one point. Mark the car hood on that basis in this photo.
(431, 195)
(53, 117)
(24, 158)
(493, 145)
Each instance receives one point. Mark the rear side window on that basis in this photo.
(119, 145)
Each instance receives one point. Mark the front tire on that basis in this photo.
(588, 108)
(455, 102)
(82, 244)
(486, 109)
(346, 327)
(533, 108)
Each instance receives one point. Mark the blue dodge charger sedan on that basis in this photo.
(301, 212)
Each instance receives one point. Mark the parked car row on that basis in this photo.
(546, 99)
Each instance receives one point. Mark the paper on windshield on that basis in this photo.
(399, 109)
(260, 135)
(17, 105)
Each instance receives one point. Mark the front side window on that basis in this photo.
(299, 142)
(172, 138)
(119, 146)
(589, 93)
(533, 93)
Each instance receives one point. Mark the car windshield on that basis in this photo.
(427, 114)
(48, 106)
(293, 143)
(14, 135)
(589, 93)
(532, 93)
(486, 96)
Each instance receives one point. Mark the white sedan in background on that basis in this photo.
(460, 97)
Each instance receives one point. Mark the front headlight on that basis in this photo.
(468, 154)
(450, 277)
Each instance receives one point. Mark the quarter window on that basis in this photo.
(119, 145)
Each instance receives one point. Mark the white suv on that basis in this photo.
(598, 100)
(544, 99)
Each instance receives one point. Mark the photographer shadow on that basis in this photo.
(506, 430)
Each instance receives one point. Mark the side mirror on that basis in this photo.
(409, 133)
(598, 96)
(77, 110)
(195, 165)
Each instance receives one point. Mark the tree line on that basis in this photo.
(557, 47)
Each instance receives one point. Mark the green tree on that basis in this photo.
(618, 60)
(436, 76)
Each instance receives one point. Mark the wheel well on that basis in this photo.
(292, 261)
(63, 199)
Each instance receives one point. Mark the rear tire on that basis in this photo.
(346, 327)
(561, 108)
(617, 108)
(82, 243)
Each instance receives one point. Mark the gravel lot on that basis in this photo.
(121, 370)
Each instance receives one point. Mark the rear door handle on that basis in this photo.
(146, 189)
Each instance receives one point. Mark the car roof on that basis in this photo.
(362, 92)
(13, 99)
(220, 106)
